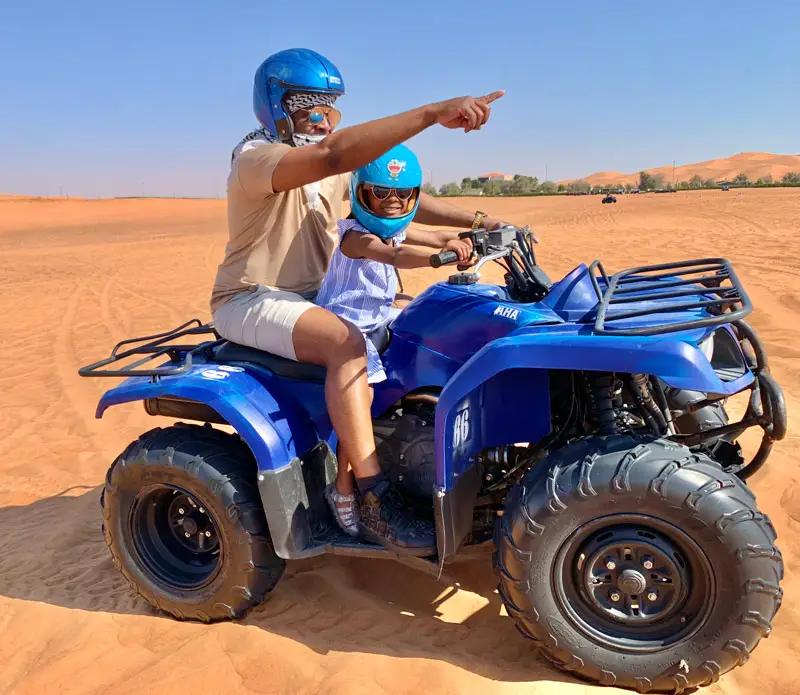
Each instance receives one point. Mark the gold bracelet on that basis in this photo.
(477, 219)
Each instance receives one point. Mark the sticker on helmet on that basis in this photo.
(395, 168)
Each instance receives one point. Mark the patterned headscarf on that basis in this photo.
(294, 102)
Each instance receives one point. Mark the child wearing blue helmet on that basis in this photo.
(360, 287)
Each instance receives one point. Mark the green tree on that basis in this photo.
(520, 184)
(466, 184)
(628, 188)
(428, 188)
(647, 182)
(710, 183)
(741, 180)
(759, 181)
(547, 187)
(579, 187)
(683, 185)
(696, 181)
(449, 189)
(792, 178)
(561, 188)
(768, 179)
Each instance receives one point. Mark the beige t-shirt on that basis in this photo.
(282, 240)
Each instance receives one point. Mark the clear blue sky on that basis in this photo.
(121, 98)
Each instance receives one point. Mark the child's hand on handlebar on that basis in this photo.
(463, 249)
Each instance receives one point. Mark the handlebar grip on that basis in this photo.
(443, 258)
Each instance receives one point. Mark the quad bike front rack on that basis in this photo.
(155, 346)
(706, 283)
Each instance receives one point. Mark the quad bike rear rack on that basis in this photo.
(155, 346)
(707, 283)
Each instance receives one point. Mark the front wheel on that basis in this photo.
(635, 563)
(185, 526)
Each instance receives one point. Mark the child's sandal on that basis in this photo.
(344, 508)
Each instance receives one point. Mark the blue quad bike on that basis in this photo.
(579, 426)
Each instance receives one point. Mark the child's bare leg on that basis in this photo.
(345, 481)
(341, 494)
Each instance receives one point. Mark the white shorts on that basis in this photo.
(263, 319)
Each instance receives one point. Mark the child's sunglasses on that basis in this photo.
(318, 114)
(382, 192)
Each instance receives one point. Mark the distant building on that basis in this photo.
(494, 176)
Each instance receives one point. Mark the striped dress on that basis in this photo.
(362, 291)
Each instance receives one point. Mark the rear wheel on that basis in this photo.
(184, 523)
(636, 563)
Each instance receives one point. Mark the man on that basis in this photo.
(285, 192)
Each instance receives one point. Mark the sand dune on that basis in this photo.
(76, 276)
(755, 164)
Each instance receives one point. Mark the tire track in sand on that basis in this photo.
(76, 393)
(114, 327)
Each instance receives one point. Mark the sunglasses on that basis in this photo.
(319, 113)
(382, 193)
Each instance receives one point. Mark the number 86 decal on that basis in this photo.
(461, 429)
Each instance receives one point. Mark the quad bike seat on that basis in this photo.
(233, 352)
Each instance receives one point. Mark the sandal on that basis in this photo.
(344, 508)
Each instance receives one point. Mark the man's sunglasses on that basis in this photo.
(318, 114)
(382, 193)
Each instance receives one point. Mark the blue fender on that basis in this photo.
(275, 427)
(467, 422)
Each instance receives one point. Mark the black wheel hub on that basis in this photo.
(635, 582)
(175, 537)
(191, 524)
(633, 579)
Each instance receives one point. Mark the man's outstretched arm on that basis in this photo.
(356, 146)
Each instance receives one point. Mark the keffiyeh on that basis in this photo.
(294, 103)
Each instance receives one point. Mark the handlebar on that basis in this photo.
(512, 248)
(443, 258)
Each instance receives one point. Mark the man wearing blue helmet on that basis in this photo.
(360, 287)
(286, 186)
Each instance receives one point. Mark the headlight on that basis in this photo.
(706, 346)
(723, 351)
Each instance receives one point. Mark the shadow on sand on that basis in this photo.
(52, 551)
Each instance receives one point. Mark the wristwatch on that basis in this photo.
(476, 221)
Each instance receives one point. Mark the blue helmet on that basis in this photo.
(292, 70)
(399, 169)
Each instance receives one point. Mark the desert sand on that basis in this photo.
(77, 276)
(755, 164)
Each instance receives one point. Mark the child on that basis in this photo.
(361, 281)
